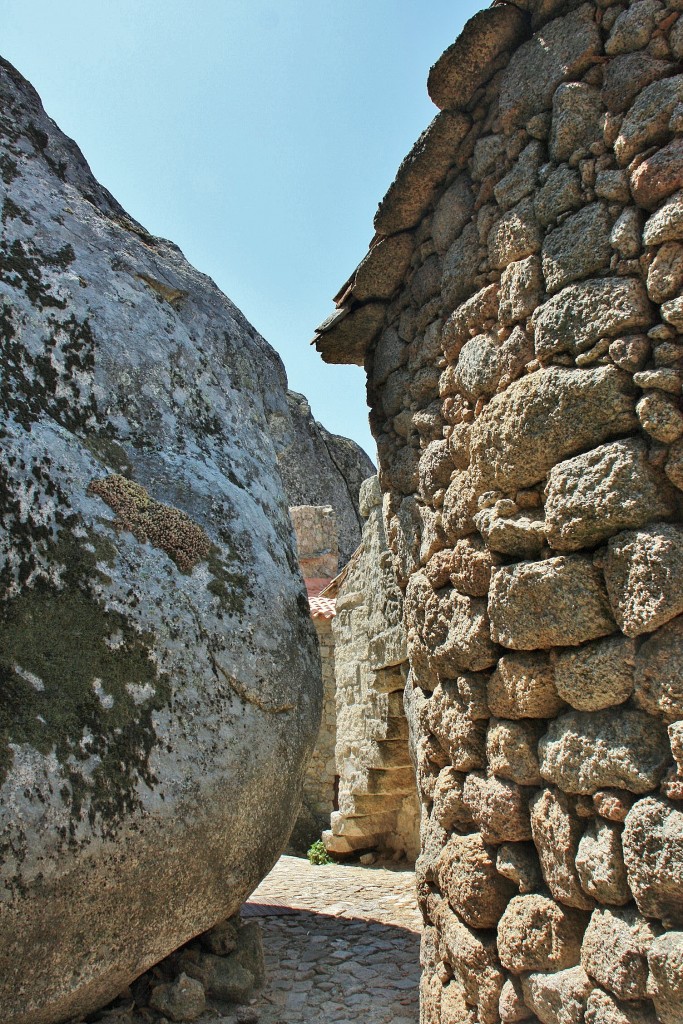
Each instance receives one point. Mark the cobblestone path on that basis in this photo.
(341, 943)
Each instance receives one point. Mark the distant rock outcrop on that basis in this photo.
(319, 468)
(159, 674)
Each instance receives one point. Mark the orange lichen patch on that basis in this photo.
(163, 526)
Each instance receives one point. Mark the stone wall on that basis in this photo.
(519, 315)
(315, 527)
(377, 800)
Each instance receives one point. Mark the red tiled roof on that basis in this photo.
(321, 607)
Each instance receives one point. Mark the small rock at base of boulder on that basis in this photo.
(181, 1000)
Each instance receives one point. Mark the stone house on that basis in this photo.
(519, 316)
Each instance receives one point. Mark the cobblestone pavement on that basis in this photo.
(349, 953)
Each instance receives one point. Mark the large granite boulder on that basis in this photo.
(159, 678)
(320, 468)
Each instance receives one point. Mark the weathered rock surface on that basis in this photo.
(644, 576)
(523, 686)
(320, 468)
(615, 948)
(659, 672)
(529, 415)
(558, 52)
(598, 675)
(156, 646)
(559, 601)
(516, 440)
(600, 863)
(574, 319)
(597, 494)
(653, 852)
(467, 875)
(665, 960)
(558, 998)
(583, 752)
(556, 832)
(537, 934)
(603, 1008)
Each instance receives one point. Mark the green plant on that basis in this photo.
(317, 854)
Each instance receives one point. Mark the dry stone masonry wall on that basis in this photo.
(520, 314)
(377, 806)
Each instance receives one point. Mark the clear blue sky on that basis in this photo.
(259, 135)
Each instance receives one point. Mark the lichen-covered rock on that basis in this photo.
(467, 875)
(596, 494)
(145, 672)
(665, 960)
(537, 934)
(516, 441)
(556, 832)
(583, 752)
(659, 672)
(653, 853)
(615, 949)
(558, 601)
(558, 998)
(644, 576)
(574, 319)
(523, 686)
(600, 863)
(598, 675)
